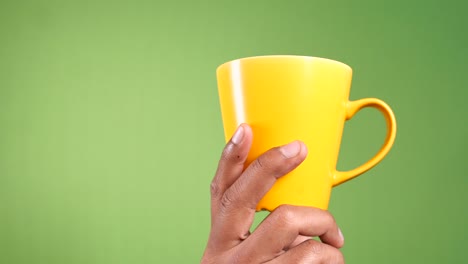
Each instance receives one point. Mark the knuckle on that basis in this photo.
(319, 251)
(314, 247)
(215, 189)
(285, 214)
(259, 163)
(228, 199)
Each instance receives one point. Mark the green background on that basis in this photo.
(110, 129)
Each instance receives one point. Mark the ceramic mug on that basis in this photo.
(287, 98)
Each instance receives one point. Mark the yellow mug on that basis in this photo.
(284, 98)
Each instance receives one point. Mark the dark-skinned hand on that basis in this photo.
(285, 236)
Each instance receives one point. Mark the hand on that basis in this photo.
(285, 236)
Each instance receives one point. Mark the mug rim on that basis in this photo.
(287, 56)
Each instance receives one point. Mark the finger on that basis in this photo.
(230, 167)
(239, 201)
(283, 226)
(232, 161)
(310, 252)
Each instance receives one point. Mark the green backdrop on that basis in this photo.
(110, 129)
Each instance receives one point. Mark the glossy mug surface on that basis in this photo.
(286, 98)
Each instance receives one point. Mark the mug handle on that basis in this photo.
(352, 108)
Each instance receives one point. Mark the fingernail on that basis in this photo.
(238, 135)
(341, 234)
(291, 150)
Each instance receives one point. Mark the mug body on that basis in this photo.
(287, 98)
